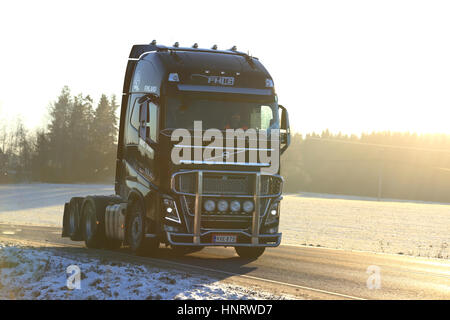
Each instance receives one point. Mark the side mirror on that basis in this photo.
(285, 130)
(149, 97)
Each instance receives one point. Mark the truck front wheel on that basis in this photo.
(136, 229)
(250, 252)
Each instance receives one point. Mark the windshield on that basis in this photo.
(221, 114)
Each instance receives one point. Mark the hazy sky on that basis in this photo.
(349, 66)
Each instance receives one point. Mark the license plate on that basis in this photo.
(224, 238)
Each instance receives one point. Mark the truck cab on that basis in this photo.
(200, 139)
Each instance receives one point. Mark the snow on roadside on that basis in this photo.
(41, 273)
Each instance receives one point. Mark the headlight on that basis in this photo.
(209, 205)
(235, 206)
(222, 206)
(171, 211)
(248, 206)
(273, 213)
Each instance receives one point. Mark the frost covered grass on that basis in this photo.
(41, 273)
(351, 223)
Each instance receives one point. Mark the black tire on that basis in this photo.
(74, 230)
(250, 252)
(137, 226)
(93, 220)
(65, 231)
(184, 250)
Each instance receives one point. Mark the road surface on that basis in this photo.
(307, 272)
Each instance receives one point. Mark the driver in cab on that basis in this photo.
(235, 122)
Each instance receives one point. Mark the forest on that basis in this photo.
(379, 164)
(78, 145)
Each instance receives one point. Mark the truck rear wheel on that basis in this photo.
(91, 224)
(93, 221)
(250, 252)
(74, 218)
(136, 229)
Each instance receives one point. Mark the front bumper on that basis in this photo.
(198, 236)
(244, 239)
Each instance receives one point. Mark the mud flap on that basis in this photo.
(65, 229)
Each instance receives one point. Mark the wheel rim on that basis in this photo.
(136, 229)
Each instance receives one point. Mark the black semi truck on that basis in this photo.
(226, 198)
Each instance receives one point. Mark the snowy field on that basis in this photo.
(42, 273)
(343, 222)
(352, 223)
(42, 204)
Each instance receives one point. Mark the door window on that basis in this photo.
(148, 119)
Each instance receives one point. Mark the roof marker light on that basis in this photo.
(153, 42)
(176, 44)
(233, 48)
(195, 46)
(269, 83)
(173, 77)
(214, 47)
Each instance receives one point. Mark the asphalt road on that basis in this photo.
(308, 272)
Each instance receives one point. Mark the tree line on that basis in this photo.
(379, 164)
(78, 144)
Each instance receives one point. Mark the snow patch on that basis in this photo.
(41, 273)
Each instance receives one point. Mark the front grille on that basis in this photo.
(221, 184)
(270, 185)
(227, 184)
(186, 182)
